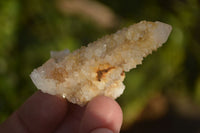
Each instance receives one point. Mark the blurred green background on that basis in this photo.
(162, 95)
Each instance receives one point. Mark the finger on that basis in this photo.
(102, 114)
(72, 120)
(41, 113)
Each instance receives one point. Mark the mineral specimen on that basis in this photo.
(98, 69)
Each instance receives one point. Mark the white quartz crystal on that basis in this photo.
(99, 68)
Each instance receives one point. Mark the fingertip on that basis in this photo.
(102, 130)
(102, 112)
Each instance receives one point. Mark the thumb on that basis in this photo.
(102, 115)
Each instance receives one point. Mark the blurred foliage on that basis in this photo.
(30, 29)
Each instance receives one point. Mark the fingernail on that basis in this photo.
(102, 130)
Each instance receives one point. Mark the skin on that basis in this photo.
(44, 113)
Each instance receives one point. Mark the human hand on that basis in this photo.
(44, 113)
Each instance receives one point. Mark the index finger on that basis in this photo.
(40, 113)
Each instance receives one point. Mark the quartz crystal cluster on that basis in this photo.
(98, 69)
